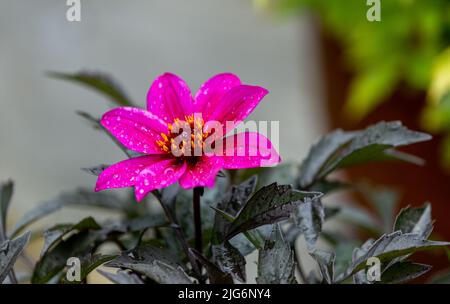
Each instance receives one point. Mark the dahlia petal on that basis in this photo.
(250, 150)
(158, 175)
(202, 174)
(136, 129)
(211, 92)
(169, 97)
(123, 174)
(237, 104)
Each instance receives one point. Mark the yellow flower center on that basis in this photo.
(184, 136)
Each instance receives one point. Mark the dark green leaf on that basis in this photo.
(76, 241)
(320, 153)
(55, 234)
(309, 217)
(251, 240)
(155, 263)
(325, 260)
(391, 246)
(403, 271)
(10, 250)
(276, 262)
(121, 277)
(360, 277)
(89, 263)
(343, 149)
(215, 274)
(229, 260)
(415, 220)
(6, 191)
(268, 205)
(231, 203)
(344, 253)
(100, 82)
(97, 170)
(371, 144)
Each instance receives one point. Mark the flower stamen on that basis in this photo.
(197, 138)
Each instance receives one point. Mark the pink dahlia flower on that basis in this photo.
(175, 125)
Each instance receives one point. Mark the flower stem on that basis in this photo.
(197, 193)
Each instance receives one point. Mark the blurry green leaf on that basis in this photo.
(95, 123)
(10, 250)
(155, 263)
(6, 191)
(100, 82)
(360, 217)
(309, 217)
(328, 186)
(229, 260)
(440, 84)
(121, 277)
(445, 150)
(276, 263)
(331, 212)
(385, 201)
(78, 197)
(436, 117)
(325, 260)
(370, 88)
(268, 205)
(442, 277)
(144, 222)
(403, 271)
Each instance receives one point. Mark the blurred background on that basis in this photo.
(325, 65)
(44, 144)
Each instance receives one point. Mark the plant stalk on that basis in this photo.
(197, 193)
